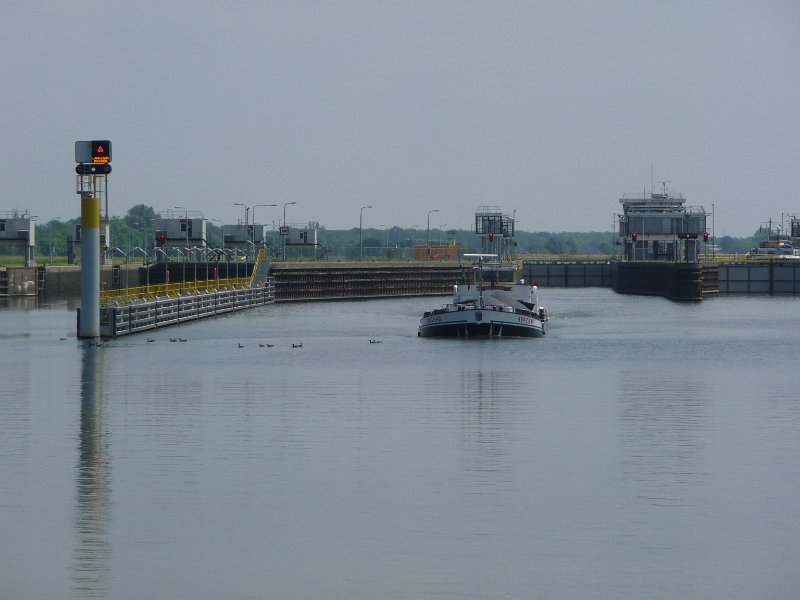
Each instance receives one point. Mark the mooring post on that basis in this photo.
(93, 158)
(90, 266)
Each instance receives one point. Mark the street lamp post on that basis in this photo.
(246, 211)
(50, 242)
(386, 235)
(284, 225)
(122, 253)
(186, 225)
(222, 230)
(361, 233)
(144, 240)
(428, 252)
(144, 253)
(152, 242)
(130, 242)
(147, 271)
(246, 217)
(263, 241)
(227, 254)
(713, 236)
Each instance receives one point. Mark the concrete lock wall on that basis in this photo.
(748, 278)
(573, 274)
(317, 281)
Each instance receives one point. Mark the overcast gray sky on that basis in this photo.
(550, 109)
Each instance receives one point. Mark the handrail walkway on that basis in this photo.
(170, 290)
(126, 295)
(756, 258)
(133, 309)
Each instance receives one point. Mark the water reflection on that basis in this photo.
(16, 448)
(91, 570)
(19, 302)
(664, 423)
(68, 301)
(485, 397)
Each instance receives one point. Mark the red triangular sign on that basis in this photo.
(100, 150)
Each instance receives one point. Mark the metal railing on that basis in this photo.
(567, 257)
(123, 319)
(755, 258)
(143, 293)
(720, 258)
(256, 265)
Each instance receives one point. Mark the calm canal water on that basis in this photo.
(642, 449)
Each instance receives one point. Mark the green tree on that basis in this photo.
(560, 245)
(140, 214)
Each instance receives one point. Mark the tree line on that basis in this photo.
(136, 229)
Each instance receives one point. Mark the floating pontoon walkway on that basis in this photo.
(131, 310)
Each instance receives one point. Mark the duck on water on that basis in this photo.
(493, 301)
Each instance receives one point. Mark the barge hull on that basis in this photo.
(467, 329)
